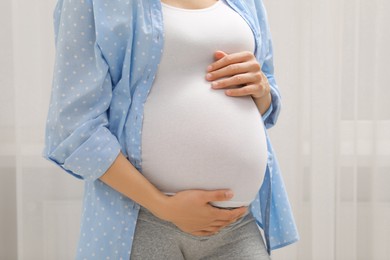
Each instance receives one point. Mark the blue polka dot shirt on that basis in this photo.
(107, 56)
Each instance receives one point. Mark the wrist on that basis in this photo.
(263, 102)
(160, 206)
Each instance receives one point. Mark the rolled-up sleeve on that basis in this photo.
(270, 117)
(77, 137)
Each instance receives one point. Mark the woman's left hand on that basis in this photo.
(240, 70)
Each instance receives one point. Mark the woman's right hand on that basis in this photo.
(192, 213)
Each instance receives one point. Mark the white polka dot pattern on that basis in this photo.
(107, 55)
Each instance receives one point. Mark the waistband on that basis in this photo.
(145, 215)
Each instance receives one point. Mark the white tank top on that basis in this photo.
(193, 136)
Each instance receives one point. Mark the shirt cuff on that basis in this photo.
(93, 157)
(267, 113)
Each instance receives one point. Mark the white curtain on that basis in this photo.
(332, 138)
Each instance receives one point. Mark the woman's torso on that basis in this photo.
(195, 137)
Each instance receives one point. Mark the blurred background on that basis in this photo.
(332, 138)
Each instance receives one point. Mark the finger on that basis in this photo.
(230, 70)
(236, 80)
(219, 54)
(237, 57)
(217, 195)
(215, 223)
(227, 215)
(239, 212)
(237, 68)
(243, 91)
(230, 215)
(211, 229)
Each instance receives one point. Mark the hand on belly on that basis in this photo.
(191, 212)
(240, 70)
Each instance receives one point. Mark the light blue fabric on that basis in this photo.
(107, 55)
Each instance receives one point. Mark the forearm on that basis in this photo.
(263, 103)
(126, 179)
(189, 209)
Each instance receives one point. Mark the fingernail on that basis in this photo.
(208, 76)
(209, 68)
(229, 194)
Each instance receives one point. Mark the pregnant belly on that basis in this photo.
(195, 137)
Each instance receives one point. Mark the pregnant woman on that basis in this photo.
(162, 107)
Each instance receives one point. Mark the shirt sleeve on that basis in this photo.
(77, 137)
(270, 117)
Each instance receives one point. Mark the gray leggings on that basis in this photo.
(156, 239)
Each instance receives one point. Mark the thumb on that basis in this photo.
(219, 55)
(218, 195)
